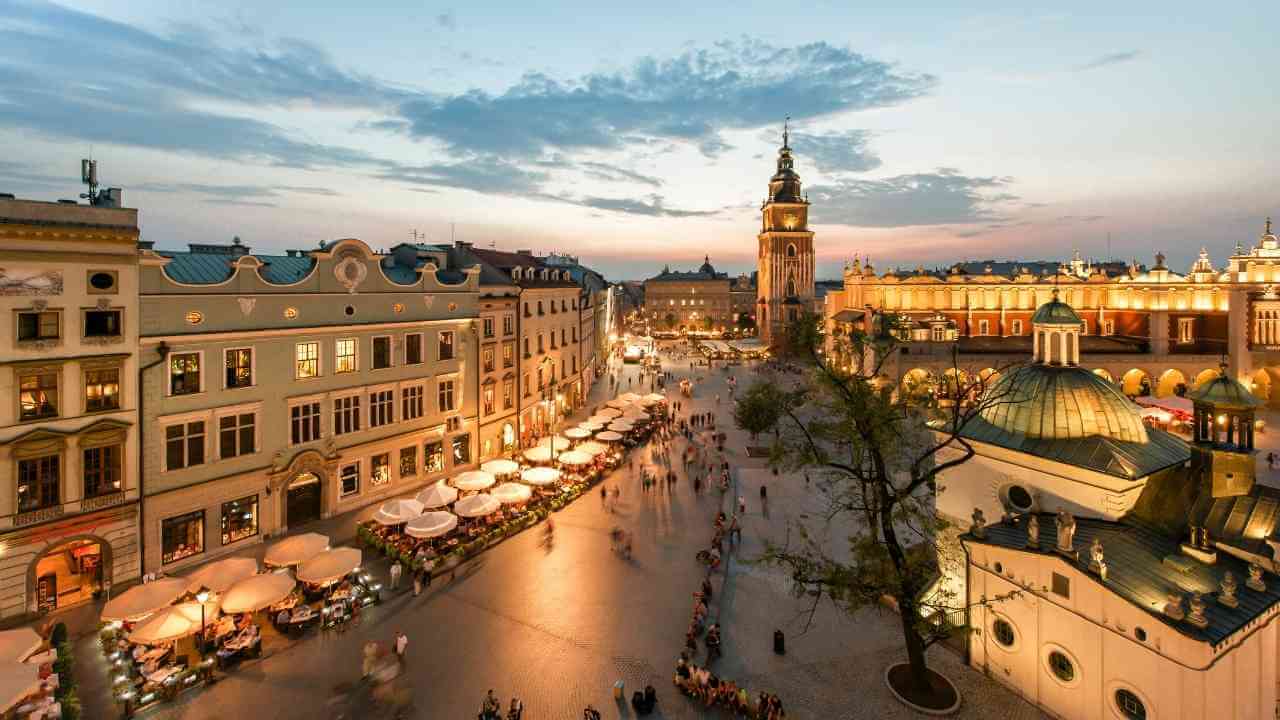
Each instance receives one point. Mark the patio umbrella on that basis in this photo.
(165, 626)
(254, 593)
(540, 476)
(656, 397)
(501, 466)
(560, 442)
(634, 414)
(592, 425)
(609, 436)
(538, 454)
(17, 681)
(400, 510)
(609, 413)
(629, 397)
(511, 493)
(619, 403)
(329, 566)
(621, 426)
(191, 610)
(646, 401)
(474, 480)
(140, 601)
(603, 418)
(577, 433)
(296, 549)
(437, 495)
(431, 524)
(591, 447)
(477, 505)
(221, 574)
(574, 457)
(18, 645)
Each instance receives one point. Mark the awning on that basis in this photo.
(395, 512)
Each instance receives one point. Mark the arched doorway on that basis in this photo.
(1172, 383)
(69, 572)
(918, 383)
(508, 438)
(1135, 383)
(303, 499)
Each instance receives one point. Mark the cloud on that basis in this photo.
(259, 195)
(834, 152)
(944, 196)
(28, 176)
(1114, 58)
(613, 173)
(651, 206)
(690, 97)
(1080, 218)
(447, 20)
(484, 174)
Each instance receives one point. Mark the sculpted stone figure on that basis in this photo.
(1066, 531)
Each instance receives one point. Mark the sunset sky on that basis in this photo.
(642, 134)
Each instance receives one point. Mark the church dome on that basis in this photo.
(1056, 312)
(1224, 392)
(1042, 401)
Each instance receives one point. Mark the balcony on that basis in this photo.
(102, 501)
(32, 517)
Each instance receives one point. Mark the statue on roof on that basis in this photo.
(1066, 532)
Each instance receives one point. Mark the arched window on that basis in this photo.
(791, 250)
(1130, 705)
(1062, 667)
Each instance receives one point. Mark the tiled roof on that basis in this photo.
(198, 268)
(1123, 459)
(283, 270)
(680, 275)
(1137, 570)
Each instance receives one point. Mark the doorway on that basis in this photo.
(68, 574)
(303, 502)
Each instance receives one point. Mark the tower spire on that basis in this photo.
(786, 144)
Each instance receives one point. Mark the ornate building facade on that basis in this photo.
(785, 261)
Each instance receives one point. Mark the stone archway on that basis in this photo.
(1136, 382)
(68, 544)
(304, 484)
(1204, 376)
(918, 383)
(1172, 383)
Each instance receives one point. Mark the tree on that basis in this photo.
(707, 323)
(670, 319)
(878, 455)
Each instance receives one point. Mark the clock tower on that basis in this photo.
(785, 262)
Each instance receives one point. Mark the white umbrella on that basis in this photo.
(511, 493)
(609, 436)
(18, 645)
(603, 418)
(646, 401)
(501, 466)
(17, 681)
(329, 566)
(635, 415)
(295, 549)
(560, 442)
(400, 510)
(222, 574)
(477, 505)
(629, 397)
(254, 593)
(431, 524)
(191, 610)
(577, 433)
(473, 480)
(165, 626)
(656, 397)
(574, 457)
(437, 495)
(592, 425)
(540, 476)
(609, 413)
(140, 601)
(621, 426)
(591, 447)
(538, 454)
(619, 403)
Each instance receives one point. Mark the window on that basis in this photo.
(1186, 330)
(508, 355)
(452, 423)
(541, 347)
(305, 422)
(1019, 498)
(381, 353)
(37, 395)
(184, 445)
(487, 394)
(408, 461)
(1108, 327)
(508, 394)
(102, 323)
(236, 435)
(1140, 634)
(508, 324)
(1061, 666)
(526, 310)
(381, 407)
(984, 327)
(380, 469)
(1002, 631)
(39, 325)
(239, 367)
(1015, 327)
(487, 359)
(413, 348)
(540, 308)
(525, 384)
(411, 402)
(1130, 705)
(344, 356)
(434, 457)
(101, 281)
(446, 345)
(488, 327)
(39, 482)
(184, 373)
(462, 450)
(349, 479)
(182, 537)
(526, 347)
(445, 389)
(1061, 585)
(101, 470)
(308, 360)
(239, 519)
(346, 415)
(575, 334)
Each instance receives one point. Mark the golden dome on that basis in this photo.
(1059, 403)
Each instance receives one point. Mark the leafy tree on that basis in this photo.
(877, 454)
(708, 323)
(670, 320)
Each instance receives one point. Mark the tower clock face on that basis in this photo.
(789, 221)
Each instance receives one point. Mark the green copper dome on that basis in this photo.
(1224, 393)
(1055, 312)
(1059, 403)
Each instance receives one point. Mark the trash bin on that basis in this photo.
(779, 643)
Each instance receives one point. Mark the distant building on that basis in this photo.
(696, 301)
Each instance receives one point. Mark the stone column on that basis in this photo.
(1239, 361)
(1158, 321)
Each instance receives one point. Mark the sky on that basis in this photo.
(641, 135)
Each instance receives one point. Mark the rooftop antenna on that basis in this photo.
(1109, 256)
(89, 176)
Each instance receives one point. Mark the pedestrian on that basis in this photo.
(417, 582)
(742, 504)
(402, 644)
(764, 493)
(1271, 461)
(396, 569)
(604, 494)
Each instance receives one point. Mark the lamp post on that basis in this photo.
(202, 597)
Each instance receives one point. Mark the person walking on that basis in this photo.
(1271, 461)
(402, 644)
(417, 582)
(396, 569)
(742, 505)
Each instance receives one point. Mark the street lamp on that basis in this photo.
(202, 597)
